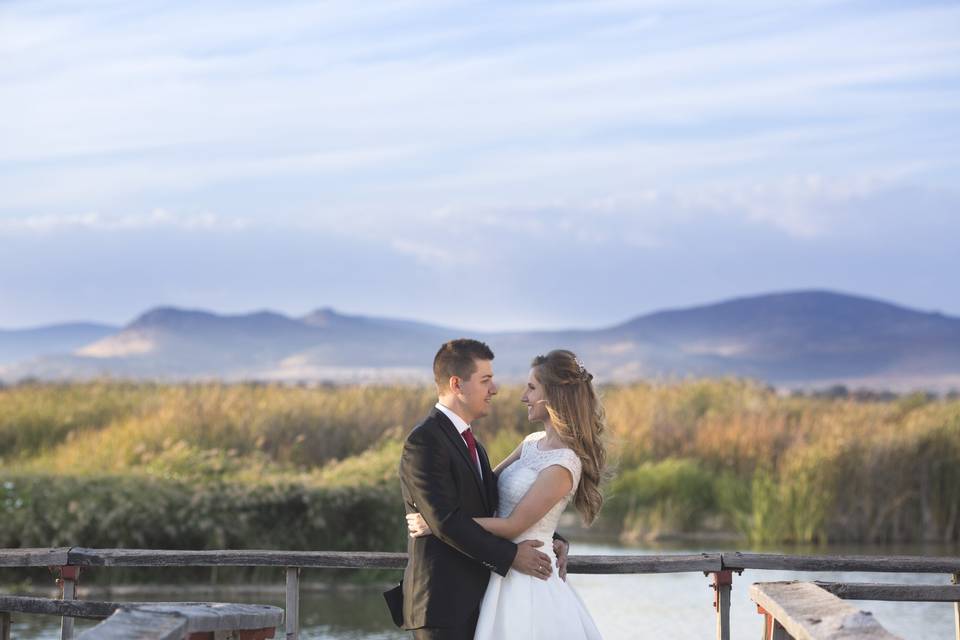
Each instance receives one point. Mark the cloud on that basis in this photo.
(544, 84)
(671, 142)
(428, 254)
(156, 219)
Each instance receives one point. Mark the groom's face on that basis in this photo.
(478, 390)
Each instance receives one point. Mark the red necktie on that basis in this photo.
(472, 445)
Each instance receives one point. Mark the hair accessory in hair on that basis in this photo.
(582, 370)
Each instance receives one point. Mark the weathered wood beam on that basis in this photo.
(892, 564)
(677, 563)
(241, 558)
(736, 561)
(48, 606)
(892, 592)
(34, 557)
(807, 612)
(133, 624)
(175, 620)
(368, 560)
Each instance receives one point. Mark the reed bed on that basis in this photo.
(96, 463)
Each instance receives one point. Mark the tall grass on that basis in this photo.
(723, 454)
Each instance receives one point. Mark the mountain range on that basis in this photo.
(795, 339)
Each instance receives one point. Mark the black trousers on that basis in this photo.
(464, 632)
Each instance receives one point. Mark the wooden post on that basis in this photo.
(767, 618)
(5, 623)
(292, 614)
(722, 583)
(68, 591)
(956, 608)
(772, 630)
(779, 633)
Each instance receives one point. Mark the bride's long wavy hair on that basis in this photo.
(578, 417)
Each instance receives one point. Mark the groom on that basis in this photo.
(446, 476)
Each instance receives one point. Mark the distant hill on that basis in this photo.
(800, 337)
(805, 338)
(20, 344)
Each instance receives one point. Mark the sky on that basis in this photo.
(495, 165)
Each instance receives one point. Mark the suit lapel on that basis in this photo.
(489, 479)
(457, 440)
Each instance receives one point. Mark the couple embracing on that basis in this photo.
(483, 541)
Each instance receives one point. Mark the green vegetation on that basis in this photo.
(112, 464)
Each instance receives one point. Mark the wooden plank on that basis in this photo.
(239, 558)
(677, 563)
(892, 592)
(219, 616)
(807, 612)
(133, 624)
(174, 620)
(205, 616)
(34, 557)
(367, 560)
(49, 606)
(893, 564)
(381, 560)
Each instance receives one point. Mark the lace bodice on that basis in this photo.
(516, 480)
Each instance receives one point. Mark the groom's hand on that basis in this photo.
(561, 548)
(532, 562)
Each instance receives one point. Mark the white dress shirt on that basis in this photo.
(461, 427)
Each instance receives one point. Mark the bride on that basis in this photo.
(536, 482)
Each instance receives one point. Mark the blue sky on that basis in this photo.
(484, 165)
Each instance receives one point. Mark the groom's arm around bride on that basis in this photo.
(446, 476)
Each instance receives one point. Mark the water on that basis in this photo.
(656, 606)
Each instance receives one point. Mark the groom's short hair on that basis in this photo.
(457, 358)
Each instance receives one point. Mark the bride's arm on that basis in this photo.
(551, 485)
(509, 460)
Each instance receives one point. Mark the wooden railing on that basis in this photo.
(720, 567)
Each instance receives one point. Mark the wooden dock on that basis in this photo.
(788, 608)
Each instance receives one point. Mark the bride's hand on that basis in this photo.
(417, 526)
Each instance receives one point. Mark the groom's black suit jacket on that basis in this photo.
(447, 572)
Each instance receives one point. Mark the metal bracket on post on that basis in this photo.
(721, 585)
(69, 577)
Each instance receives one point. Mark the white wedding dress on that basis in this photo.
(521, 607)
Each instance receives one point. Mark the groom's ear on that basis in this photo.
(454, 384)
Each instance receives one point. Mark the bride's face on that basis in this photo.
(535, 399)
